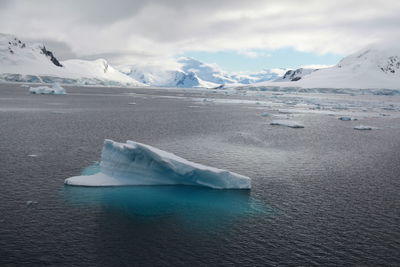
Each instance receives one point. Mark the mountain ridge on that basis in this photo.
(22, 62)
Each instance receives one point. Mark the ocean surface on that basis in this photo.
(324, 195)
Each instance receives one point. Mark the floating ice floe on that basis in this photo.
(363, 127)
(133, 163)
(265, 114)
(285, 111)
(283, 116)
(31, 202)
(132, 103)
(55, 89)
(291, 124)
(344, 118)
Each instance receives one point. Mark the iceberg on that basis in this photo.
(291, 124)
(133, 163)
(31, 203)
(55, 89)
(345, 118)
(363, 127)
(265, 114)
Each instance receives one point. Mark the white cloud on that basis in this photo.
(316, 66)
(145, 30)
(253, 54)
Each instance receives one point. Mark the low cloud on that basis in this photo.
(253, 54)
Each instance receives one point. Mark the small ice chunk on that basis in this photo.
(133, 163)
(31, 202)
(206, 100)
(344, 118)
(55, 89)
(364, 127)
(283, 116)
(282, 111)
(32, 155)
(132, 103)
(288, 123)
(265, 114)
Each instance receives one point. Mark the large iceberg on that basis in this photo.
(133, 163)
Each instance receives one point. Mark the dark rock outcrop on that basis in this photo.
(49, 54)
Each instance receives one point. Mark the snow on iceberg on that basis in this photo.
(133, 163)
(291, 124)
(55, 89)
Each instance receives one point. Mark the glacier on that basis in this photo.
(133, 163)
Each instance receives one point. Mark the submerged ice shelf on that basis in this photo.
(133, 163)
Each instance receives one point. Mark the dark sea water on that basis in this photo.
(325, 195)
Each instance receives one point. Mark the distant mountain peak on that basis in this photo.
(18, 50)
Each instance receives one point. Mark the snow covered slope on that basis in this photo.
(376, 67)
(22, 62)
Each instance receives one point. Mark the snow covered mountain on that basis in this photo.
(188, 72)
(191, 72)
(22, 62)
(376, 67)
(164, 77)
(206, 72)
(262, 76)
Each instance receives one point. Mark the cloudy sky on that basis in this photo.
(238, 35)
